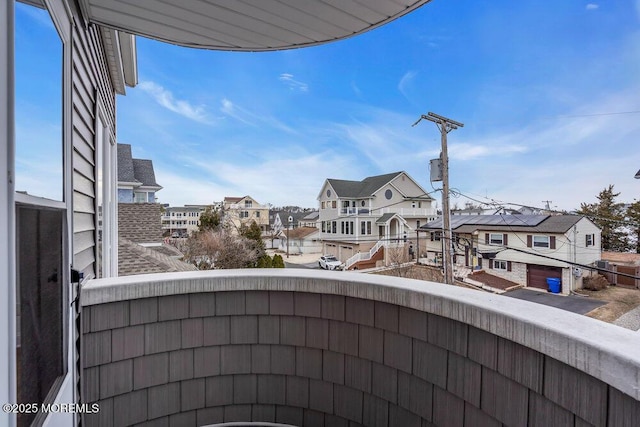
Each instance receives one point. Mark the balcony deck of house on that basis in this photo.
(310, 348)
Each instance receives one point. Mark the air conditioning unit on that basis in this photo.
(602, 264)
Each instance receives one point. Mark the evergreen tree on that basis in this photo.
(278, 262)
(608, 215)
(265, 261)
(633, 215)
(209, 219)
(253, 232)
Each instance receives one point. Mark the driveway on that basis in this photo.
(575, 304)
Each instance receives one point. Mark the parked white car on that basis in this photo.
(329, 262)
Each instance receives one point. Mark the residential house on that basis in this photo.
(359, 218)
(525, 249)
(301, 240)
(311, 219)
(239, 211)
(181, 220)
(136, 178)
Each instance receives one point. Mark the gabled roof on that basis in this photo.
(233, 199)
(125, 164)
(137, 171)
(299, 233)
(143, 172)
(284, 216)
(361, 189)
(367, 187)
(529, 223)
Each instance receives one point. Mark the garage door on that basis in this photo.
(537, 275)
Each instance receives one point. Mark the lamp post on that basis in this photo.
(289, 221)
(445, 126)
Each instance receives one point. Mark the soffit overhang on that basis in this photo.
(246, 25)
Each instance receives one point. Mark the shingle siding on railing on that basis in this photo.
(225, 360)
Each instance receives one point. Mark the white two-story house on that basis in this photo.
(525, 249)
(359, 218)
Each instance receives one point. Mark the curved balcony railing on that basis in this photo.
(332, 348)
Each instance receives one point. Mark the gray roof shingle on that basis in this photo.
(135, 170)
(361, 189)
(531, 223)
(143, 172)
(125, 164)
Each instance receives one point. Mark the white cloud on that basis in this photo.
(252, 119)
(592, 6)
(293, 177)
(292, 83)
(165, 98)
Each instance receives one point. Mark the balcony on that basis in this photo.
(315, 348)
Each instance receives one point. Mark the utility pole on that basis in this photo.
(445, 126)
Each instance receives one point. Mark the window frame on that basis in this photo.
(494, 241)
(61, 19)
(498, 265)
(106, 193)
(541, 244)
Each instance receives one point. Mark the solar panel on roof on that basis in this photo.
(508, 220)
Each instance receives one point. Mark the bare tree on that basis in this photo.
(220, 250)
(397, 257)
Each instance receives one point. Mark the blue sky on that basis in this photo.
(541, 91)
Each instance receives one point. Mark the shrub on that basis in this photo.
(595, 283)
(278, 262)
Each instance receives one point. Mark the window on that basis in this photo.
(333, 204)
(38, 104)
(106, 202)
(500, 265)
(363, 227)
(322, 205)
(334, 227)
(435, 236)
(140, 197)
(248, 204)
(323, 227)
(342, 227)
(418, 224)
(496, 239)
(540, 241)
(257, 214)
(42, 121)
(590, 239)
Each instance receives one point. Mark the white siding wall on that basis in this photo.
(91, 84)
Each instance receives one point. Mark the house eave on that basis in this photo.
(247, 25)
(120, 49)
